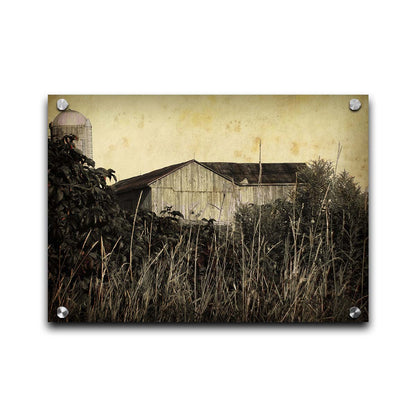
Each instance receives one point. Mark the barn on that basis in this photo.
(207, 189)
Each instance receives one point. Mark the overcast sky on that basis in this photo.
(137, 134)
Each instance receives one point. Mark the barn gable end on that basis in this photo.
(196, 192)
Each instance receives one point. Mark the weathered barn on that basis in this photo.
(207, 189)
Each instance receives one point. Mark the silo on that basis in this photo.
(73, 122)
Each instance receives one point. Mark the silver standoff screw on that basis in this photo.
(355, 104)
(62, 312)
(355, 312)
(62, 104)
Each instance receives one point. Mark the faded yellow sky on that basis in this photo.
(136, 134)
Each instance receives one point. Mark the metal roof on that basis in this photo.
(240, 173)
(271, 173)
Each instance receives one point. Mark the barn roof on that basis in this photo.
(141, 181)
(239, 173)
(248, 173)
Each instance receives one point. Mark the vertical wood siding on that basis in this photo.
(264, 193)
(196, 192)
(200, 193)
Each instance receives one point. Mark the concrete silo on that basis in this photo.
(73, 122)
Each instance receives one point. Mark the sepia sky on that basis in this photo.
(136, 134)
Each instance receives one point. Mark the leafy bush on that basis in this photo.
(80, 203)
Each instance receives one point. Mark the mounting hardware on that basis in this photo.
(62, 312)
(355, 104)
(355, 312)
(62, 104)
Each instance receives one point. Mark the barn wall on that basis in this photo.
(264, 193)
(197, 193)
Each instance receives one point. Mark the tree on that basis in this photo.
(80, 204)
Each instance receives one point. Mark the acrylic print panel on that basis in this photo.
(218, 209)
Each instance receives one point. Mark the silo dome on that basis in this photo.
(69, 118)
(73, 122)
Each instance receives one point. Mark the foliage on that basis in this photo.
(323, 223)
(304, 259)
(84, 220)
(79, 199)
(169, 213)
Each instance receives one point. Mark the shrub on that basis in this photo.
(80, 203)
(323, 226)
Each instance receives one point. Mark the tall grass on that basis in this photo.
(217, 274)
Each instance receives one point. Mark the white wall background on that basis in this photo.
(259, 47)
